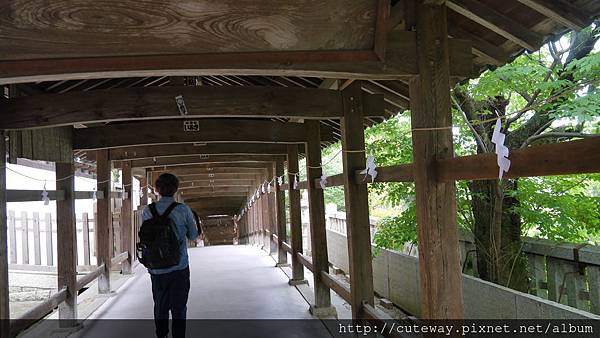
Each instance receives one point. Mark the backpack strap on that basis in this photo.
(169, 209)
(153, 210)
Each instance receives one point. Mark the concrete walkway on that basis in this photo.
(237, 288)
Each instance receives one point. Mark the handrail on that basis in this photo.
(286, 247)
(339, 288)
(89, 277)
(37, 312)
(119, 258)
(376, 316)
(306, 261)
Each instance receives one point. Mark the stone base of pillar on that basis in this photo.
(323, 312)
(294, 282)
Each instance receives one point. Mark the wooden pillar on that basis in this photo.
(262, 216)
(295, 216)
(4, 300)
(66, 235)
(144, 189)
(271, 211)
(280, 216)
(357, 201)
(439, 262)
(104, 220)
(316, 204)
(254, 221)
(127, 217)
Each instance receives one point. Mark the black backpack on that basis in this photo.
(158, 247)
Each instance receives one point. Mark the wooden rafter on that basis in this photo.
(497, 22)
(560, 11)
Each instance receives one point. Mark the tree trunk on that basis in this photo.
(498, 239)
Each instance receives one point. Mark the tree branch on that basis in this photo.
(556, 135)
(469, 124)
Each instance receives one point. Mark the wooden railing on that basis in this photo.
(562, 272)
(47, 306)
(27, 232)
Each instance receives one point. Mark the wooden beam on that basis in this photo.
(216, 184)
(395, 173)
(198, 159)
(172, 131)
(497, 22)
(400, 63)
(322, 302)
(4, 297)
(215, 194)
(540, 160)
(203, 211)
(439, 261)
(144, 103)
(561, 11)
(104, 237)
(127, 218)
(67, 250)
(222, 168)
(357, 202)
(220, 176)
(198, 190)
(132, 153)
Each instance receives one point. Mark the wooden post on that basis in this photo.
(4, 300)
(126, 218)
(316, 204)
(280, 216)
(295, 216)
(66, 235)
(85, 233)
(37, 254)
(25, 237)
(103, 224)
(272, 211)
(144, 189)
(12, 236)
(358, 227)
(594, 286)
(49, 243)
(261, 215)
(439, 262)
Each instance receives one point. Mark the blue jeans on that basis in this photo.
(170, 292)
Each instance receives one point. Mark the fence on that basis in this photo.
(32, 240)
(564, 273)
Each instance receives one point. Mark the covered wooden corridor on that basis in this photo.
(229, 95)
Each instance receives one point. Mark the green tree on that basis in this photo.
(547, 96)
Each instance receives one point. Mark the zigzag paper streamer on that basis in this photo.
(502, 151)
(323, 181)
(370, 170)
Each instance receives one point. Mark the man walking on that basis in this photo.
(171, 285)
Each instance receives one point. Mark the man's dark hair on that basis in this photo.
(167, 184)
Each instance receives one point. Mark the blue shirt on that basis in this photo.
(185, 224)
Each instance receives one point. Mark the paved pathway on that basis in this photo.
(236, 287)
